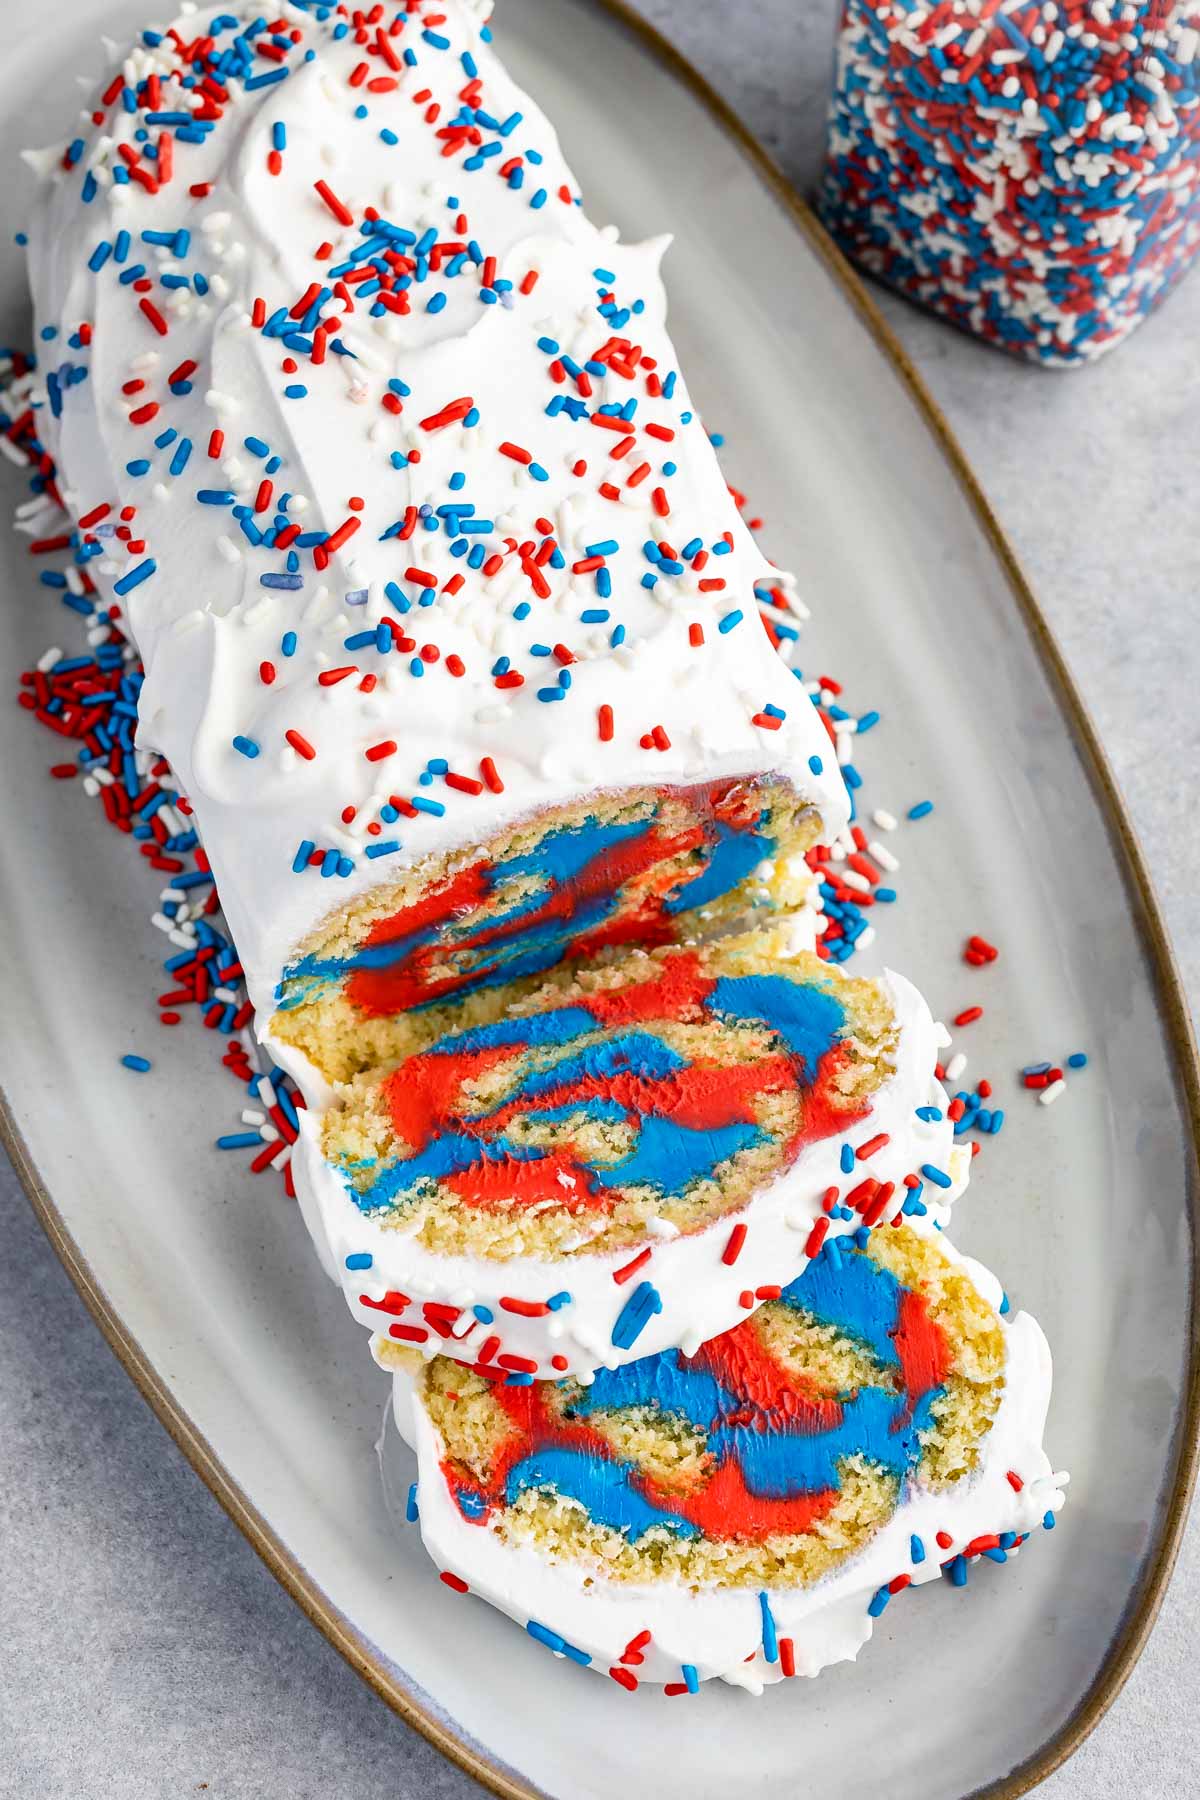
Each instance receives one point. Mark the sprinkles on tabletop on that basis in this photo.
(1030, 169)
(749, 1510)
(629, 1159)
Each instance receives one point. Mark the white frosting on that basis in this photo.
(701, 1295)
(720, 1631)
(203, 623)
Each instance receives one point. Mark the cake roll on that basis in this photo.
(379, 449)
(634, 1157)
(746, 1511)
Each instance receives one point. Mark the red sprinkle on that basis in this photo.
(155, 317)
(454, 409)
(526, 1309)
(733, 1249)
(871, 1146)
(342, 214)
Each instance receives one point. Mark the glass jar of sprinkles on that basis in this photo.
(1029, 171)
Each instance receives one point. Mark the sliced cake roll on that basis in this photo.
(634, 1156)
(453, 631)
(746, 1510)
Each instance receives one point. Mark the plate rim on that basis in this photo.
(1171, 1003)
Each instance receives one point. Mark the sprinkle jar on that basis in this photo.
(1031, 172)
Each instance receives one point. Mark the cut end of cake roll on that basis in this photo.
(632, 1157)
(458, 935)
(617, 1106)
(875, 1422)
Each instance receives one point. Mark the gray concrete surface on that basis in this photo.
(144, 1651)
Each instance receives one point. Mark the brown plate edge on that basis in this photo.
(1131, 1639)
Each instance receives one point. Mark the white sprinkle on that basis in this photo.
(956, 1066)
(1049, 1095)
(886, 821)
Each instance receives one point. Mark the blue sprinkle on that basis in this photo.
(361, 1259)
(922, 808)
(253, 82)
(411, 1510)
(1077, 1060)
(728, 622)
(246, 746)
(135, 577)
(636, 1314)
(770, 1637)
(139, 1064)
(938, 1177)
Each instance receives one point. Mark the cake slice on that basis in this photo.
(634, 1156)
(748, 1510)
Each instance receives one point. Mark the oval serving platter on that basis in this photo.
(202, 1280)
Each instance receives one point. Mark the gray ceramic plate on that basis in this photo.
(203, 1280)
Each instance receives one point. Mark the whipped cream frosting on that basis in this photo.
(723, 1632)
(457, 1305)
(482, 490)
